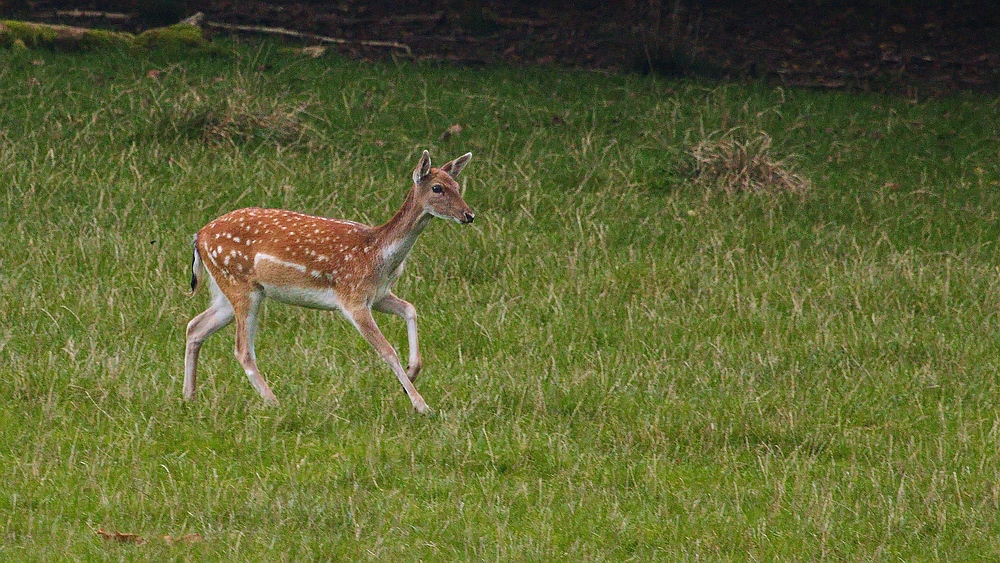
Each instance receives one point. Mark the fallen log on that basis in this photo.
(16, 33)
(188, 33)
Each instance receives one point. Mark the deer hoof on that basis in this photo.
(423, 409)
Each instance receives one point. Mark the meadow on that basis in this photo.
(627, 360)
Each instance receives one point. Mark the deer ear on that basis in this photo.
(453, 167)
(423, 168)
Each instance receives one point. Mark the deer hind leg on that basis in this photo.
(404, 309)
(362, 319)
(211, 320)
(246, 329)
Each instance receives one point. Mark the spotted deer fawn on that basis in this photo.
(321, 263)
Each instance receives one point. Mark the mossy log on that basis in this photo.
(15, 33)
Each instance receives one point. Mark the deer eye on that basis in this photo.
(436, 188)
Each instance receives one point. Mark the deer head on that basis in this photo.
(436, 191)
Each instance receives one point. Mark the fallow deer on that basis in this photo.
(316, 262)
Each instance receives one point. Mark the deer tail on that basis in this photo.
(197, 268)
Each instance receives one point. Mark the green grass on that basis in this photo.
(625, 365)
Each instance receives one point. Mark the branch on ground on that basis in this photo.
(321, 38)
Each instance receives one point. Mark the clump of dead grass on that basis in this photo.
(237, 109)
(739, 160)
(238, 116)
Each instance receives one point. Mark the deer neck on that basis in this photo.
(396, 236)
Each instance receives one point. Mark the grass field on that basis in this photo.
(626, 362)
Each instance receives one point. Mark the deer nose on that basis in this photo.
(469, 217)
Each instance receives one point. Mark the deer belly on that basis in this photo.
(314, 298)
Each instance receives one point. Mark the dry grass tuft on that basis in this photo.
(742, 161)
(239, 117)
(238, 109)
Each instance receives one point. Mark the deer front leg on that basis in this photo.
(404, 309)
(363, 320)
(246, 329)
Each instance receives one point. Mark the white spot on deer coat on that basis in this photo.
(261, 256)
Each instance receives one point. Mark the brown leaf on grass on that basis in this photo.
(186, 538)
(450, 132)
(154, 74)
(314, 51)
(121, 537)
